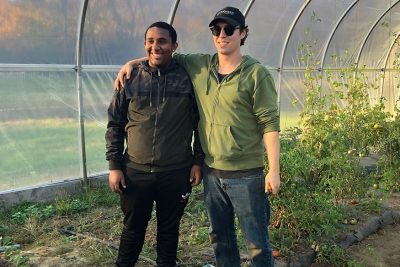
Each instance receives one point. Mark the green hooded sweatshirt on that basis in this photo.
(235, 113)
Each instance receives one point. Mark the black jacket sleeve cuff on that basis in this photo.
(198, 161)
(114, 165)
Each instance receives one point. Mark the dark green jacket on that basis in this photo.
(156, 114)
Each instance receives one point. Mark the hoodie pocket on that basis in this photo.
(222, 143)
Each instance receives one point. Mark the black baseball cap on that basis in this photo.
(230, 15)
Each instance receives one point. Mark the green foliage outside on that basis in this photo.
(47, 150)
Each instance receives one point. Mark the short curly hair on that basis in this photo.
(166, 26)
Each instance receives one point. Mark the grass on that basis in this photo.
(96, 218)
(39, 126)
(95, 213)
(39, 151)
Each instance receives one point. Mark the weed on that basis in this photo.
(68, 206)
(3, 229)
(369, 251)
(370, 205)
(355, 263)
(35, 211)
(15, 258)
(5, 241)
(198, 236)
(331, 253)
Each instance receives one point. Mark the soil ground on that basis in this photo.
(379, 249)
(382, 248)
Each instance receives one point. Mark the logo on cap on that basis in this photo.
(228, 12)
(231, 15)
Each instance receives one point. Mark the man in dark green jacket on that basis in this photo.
(156, 114)
(239, 121)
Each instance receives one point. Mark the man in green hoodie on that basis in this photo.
(239, 117)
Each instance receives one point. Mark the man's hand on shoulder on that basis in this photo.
(119, 81)
(126, 71)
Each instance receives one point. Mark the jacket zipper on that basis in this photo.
(155, 122)
(215, 103)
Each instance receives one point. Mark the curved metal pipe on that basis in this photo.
(390, 50)
(283, 52)
(78, 70)
(330, 38)
(386, 62)
(371, 29)
(334, 31)
(172, 12)
(367, 37)
(248, 7)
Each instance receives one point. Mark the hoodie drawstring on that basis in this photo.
(240, 76)
(165, 88)
(151, 90)
(208, 77)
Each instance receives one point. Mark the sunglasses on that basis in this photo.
(228, 29)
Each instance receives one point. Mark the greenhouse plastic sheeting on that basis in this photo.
(58, 60)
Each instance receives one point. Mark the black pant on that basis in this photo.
(170, 190)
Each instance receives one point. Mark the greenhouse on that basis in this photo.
(59, 59)
(335, 64)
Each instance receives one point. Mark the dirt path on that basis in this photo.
(383, 247)
(380, 249)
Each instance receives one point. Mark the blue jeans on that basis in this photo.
(244, 196)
